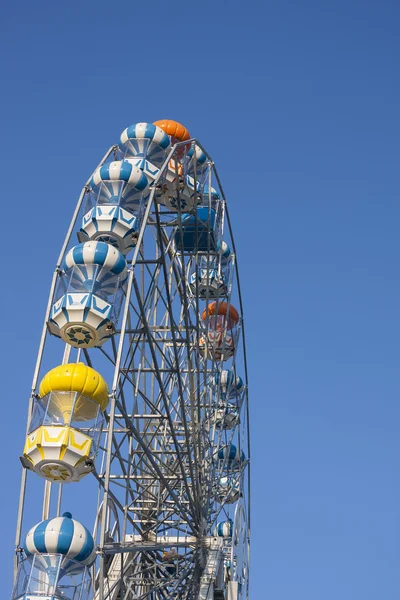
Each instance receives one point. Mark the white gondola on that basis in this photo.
(228, 490)
(226, 417)
(174, 190)
(210, 276)
(207, 283)
(182, 193)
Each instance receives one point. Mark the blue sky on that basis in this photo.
(297, 102)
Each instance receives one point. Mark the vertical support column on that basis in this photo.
(208, 579)
(114, 395)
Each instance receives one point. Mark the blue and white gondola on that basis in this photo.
(207, 284)
(120, 191)
(223, 529)
(84, 315)
(228, 385)
(113, 225)
(209, 281)
(65, 536)
(120, 170)
(119, 182)
(231, 457)
(145, 141)
(96, 262)
(224, 251)
(196, 161)
(98, 267)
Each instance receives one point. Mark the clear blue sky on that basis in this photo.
(298, 103)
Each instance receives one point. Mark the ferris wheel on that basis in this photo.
(139, 395)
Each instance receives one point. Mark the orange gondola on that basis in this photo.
(222, 331)
(177, 133)
(221, 308)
